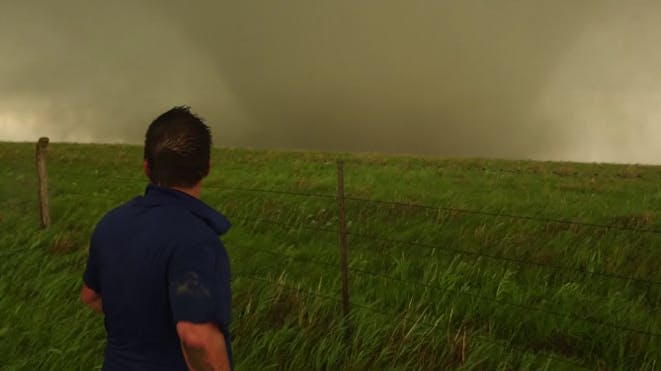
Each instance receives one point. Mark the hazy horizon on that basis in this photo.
(543, 80)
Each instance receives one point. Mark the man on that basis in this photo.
(156, 267)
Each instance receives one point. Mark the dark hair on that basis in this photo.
(177, 148)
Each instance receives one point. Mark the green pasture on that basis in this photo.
(491, 275)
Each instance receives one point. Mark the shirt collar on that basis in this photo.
(155, 195)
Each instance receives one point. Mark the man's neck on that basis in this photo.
(193, 191)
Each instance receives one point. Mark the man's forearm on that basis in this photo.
(197, 358)
(96, 305)
(210, 357)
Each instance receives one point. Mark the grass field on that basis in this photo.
(468, 291)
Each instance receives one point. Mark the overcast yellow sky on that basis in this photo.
(561, 79)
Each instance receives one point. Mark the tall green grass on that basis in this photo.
(447, 298)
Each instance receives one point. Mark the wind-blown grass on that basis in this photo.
(430, 288)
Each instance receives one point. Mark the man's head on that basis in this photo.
(177, 149)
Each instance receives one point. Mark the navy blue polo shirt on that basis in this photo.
(155, 261)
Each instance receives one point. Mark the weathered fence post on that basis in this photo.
(343, 238)
(42, 148)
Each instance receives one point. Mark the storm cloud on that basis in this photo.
(510, 79)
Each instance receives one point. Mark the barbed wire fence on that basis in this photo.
(342, 232)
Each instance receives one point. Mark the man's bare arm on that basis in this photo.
(203, 345)
(92, 299)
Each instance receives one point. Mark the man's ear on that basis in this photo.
(147, 168)
(208, 169)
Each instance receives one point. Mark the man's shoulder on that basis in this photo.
(173, 221)
(118, 212)
(111, 221)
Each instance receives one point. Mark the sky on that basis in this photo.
(543, 79)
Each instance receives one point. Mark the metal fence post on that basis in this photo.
(42, 149)
(343, 238)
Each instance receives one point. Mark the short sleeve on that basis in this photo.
(91, 274)
(193, 284)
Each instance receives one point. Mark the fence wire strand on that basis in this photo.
(287, 256)
(503, 258)
(401, 204)
(472, 296)
(504, 215)
(284, 225)
(454, 250)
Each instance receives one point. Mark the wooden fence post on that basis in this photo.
(42, 149)
(343, 238)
